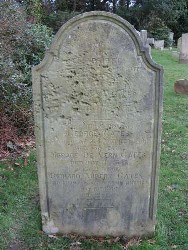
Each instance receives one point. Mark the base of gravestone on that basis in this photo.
(139, 229)
(145, 235)
(183, 59)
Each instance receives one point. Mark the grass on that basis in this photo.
(20, 221)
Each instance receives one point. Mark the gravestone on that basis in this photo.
(179, 43)
(151, 41)
(184, 49)
(144, 36)
(171, 39)
(159, 44)
(97, 104)
(181, 86)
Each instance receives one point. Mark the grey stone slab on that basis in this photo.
(159, 44)
(184, 49)
(144, 36)
(181, 86)
(151, 41)
(98, 103)
(171, 39)
(179, 43)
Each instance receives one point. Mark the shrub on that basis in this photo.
(22, 46)
(157, 29)
(56, 20)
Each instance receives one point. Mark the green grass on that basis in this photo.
(20, 221)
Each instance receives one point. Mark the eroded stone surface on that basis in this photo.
(97, 98)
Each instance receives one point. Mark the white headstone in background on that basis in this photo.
(151, 41)
(179, 43)
(184, 49)
(159, 44)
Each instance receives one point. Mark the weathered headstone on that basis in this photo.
(97, 101)
(159, 44)
(171, 39)
(144, 36)
(176, 54)
(184, 49)
(179, 43)
(181, 86)
(151, 41)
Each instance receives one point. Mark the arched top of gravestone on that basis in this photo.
(103, 17)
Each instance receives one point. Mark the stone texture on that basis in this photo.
(181, 87)
(179, 43)
(176, 54)
(184, 49)
(98, 103)
(144, 36)
(159, 44)
(151, 41)
(146, 41)
(171, 39)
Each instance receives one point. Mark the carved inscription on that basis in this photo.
(107, 125)
(96, 112)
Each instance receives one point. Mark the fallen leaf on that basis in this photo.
(52, 236)
(170, 188)
(11, 145)
(25, 162)
(26, 155)
(174, 247)
(152, 241)
(182, 212)
(116, 239)
(75, 245)
(132, 242)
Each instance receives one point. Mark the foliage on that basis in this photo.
(171, 14)
(34, 9)
(82, 5)
(56, 20)
(55, 13)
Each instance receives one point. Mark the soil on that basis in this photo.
(12, 142)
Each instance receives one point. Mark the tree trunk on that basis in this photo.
(128, 3)
(114, 6)
(74, 5)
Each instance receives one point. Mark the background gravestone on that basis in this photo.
(97, 101)
(184, 49)
(151, 41)
(144, 36)
(171, 39)
(179, 43)
(159, 44)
